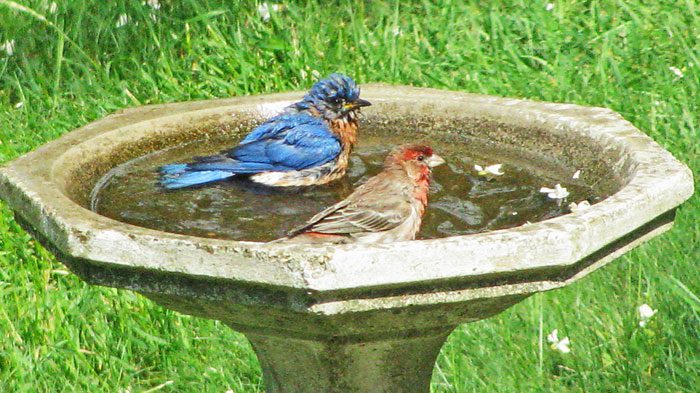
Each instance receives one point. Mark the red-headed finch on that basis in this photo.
(389, 207)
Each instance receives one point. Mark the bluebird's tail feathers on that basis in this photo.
(173, 169)
(177, 176)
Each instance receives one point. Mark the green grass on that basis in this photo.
(61, 335)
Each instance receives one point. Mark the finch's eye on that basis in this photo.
(421, 157)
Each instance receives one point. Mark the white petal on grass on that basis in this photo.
(645, 311)
(563, 345)
(8, 47)
(676, 71)
(557, 344)
(123, 20)
(558, 192)
(577, 174)
(53, 8)
(397, 31)
(19, 105)
(549, 6)
(645, 314)
(155, 4)
(265, 10)
(583, 205)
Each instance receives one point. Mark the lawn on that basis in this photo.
(72, 64)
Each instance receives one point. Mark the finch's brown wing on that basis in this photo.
(318, 217)
(353, 220)
(378, 205)
(363, 216)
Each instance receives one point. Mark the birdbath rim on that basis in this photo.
(656, 185)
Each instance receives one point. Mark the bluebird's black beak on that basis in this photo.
(359, 103)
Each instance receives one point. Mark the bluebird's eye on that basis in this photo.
(421, 157)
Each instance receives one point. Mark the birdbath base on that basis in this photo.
(397, 365)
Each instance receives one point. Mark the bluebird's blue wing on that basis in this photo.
(279, 125)
(285, 143)
(306, 144)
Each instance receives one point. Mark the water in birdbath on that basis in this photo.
(461, 201)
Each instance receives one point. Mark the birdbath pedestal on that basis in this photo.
(350, 318)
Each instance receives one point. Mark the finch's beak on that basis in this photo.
(358, 103)
(435, 160)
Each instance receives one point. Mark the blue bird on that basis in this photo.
(308, 144)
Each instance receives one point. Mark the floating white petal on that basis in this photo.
(574, 207)
(491, 170)
(558, 192)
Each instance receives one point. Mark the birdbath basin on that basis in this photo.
(350, 318)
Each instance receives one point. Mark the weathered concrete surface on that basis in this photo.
(394, 365)
(350, 318)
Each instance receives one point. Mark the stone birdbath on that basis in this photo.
(350, 318)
